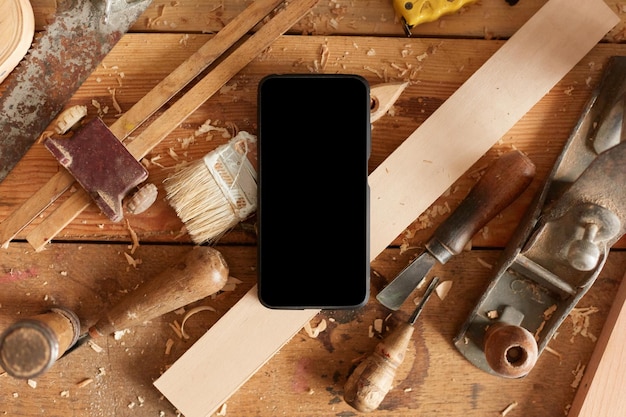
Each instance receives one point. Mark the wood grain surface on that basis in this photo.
(85, 268)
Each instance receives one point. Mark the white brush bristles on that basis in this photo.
(215, 193)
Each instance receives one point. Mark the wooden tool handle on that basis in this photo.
(372, 379)
(501, 184)
(201, 273)
(511, 351)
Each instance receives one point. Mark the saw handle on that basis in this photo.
(504, 180)
(202, 272)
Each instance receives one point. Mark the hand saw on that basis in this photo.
(80, 36)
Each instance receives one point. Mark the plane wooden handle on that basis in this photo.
(202, 272)
(502, 183)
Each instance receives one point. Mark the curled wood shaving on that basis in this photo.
(32, 383)
(313, 332)
(133, 237)
(190, 313)
(116, 104)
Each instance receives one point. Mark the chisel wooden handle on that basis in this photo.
(502, 183)
(201, 273)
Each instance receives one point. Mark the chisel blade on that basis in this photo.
(69, 50)
(398, 290)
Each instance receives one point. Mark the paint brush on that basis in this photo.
(215, 193)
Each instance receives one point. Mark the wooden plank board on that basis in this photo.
(601, 389)
(520, 74)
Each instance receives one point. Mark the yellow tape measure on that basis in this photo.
(415, 12)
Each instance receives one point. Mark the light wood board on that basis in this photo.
(484, 108)
(601, 390)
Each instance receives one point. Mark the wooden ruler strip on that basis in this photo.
(179, 111)
(134, 117)
(601, 389)
(475, 117)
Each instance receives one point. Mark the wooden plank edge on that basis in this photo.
(234, 348)
(584, 23)
(601, 389)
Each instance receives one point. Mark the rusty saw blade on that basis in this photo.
(72, 46)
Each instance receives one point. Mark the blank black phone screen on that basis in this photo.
(313, 202)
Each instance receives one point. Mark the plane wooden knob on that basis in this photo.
(511, 351)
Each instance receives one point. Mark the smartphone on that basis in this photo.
(313, 195)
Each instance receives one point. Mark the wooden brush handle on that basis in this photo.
(201, 273)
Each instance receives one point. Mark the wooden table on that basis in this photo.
(86, 268)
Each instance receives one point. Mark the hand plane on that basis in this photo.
(562, 243)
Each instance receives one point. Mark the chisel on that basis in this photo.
(31, 346)
(371, 380)
(504, 180)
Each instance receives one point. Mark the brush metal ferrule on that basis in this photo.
(234, 173)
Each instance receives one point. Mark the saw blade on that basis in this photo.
(72, 46)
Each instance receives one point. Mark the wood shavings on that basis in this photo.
(509, 408)
(65, 394)
(168, 346)
(578, 375)
(222, 410)
(547, 314)
(84, 382)
(553, 352)
(175, 326)
(581, 320)
(493, 314)
(231, 284)
(314, 332)
(132, 261)
(101, 110)
(32, 383)
(190, 313)
(324, 55)
(95, 347)
(443, 289)
(116, 105)
(152, 21)
(120, 333)
(378, 325)
(133, 237)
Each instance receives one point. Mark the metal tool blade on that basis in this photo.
(70, 49)
(398, 290)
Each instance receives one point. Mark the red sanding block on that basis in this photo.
(101, 164)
